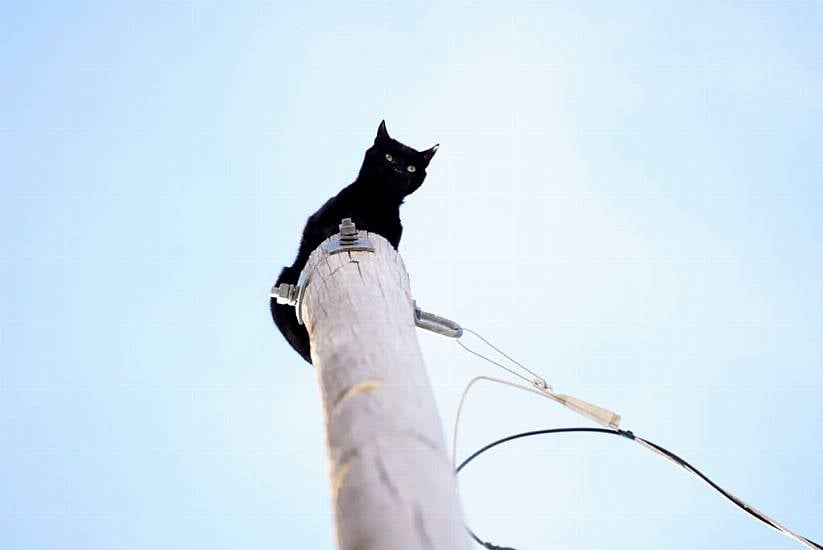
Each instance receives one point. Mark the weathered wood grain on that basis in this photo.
(391, 482)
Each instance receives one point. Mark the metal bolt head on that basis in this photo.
(347, 228)
(285, 293)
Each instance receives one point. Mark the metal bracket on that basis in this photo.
(348, 240)
(435, 323)
(302, 283)
(289, 294)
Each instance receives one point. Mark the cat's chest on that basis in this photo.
(369, 209)
(369, 212)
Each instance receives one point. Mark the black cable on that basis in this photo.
(539, 432)
(629, 435)
(737, 502)
(489, 545)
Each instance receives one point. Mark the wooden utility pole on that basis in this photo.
(392, 486)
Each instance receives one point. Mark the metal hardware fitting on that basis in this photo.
(285, 293)
(541, 384)
(302, 283)
(435, 323)
(292, 295)
(348, 240)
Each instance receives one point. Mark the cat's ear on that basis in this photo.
(429, 153)
(382, 133)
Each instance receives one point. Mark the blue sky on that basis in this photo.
(627, 198)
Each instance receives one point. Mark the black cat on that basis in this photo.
(389, 173)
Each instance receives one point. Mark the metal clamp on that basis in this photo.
(348, 240)
(435, 323)
(285, 293)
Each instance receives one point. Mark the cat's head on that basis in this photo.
(396, 168)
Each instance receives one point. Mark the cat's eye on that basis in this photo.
(389, 157)
(411, 168)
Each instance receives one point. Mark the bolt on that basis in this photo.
(285, 293)
(348, 232)
(347, 227)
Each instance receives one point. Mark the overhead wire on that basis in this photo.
(610, 423)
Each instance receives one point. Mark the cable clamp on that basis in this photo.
(436, 323)
(289, 294)
(349, 239)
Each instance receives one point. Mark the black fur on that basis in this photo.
(372, 202)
